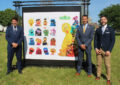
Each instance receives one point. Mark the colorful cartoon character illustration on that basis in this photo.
(44, 41)
(31, 50)
(46, 52)
(46, 32)
(70, 51)
(53, 51)
(45, 22)
(38, 41)
(53, 22)
(31, 41)
(38, 32)
(38, 22)
(52, 32)
(67, 39)
(31, 32)
(75, 25)
(53, 42)
(38, 51)
(31, 22)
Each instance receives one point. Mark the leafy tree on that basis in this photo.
(6, 16)
(113, 14)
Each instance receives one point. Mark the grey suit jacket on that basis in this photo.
(85, 38)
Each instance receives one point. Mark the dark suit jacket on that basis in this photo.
(85, 38)
(12, 36)
(105, 41)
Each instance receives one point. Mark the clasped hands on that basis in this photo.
(98, 52)
(83, 47)
(14, 45)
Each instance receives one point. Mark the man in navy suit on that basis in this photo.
(103, 43)
(14, 37)
(84, 38)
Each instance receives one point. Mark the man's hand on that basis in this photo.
(14, 45)
(97, 51)
(107, 53)
(83, 47)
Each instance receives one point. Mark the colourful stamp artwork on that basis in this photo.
(31, 41)
(46, 52)
(38, 41)
(31, 50)
(53, 51)
(52, 32)
(31, 22)
(46, 32)
(38, 22)
(45, 22)
(53, 42)
(38, 51)
(53, 22)
(44, 41)
(31, 32)
(38, 32)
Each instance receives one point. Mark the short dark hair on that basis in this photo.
(15, 18)
(103, 16)
(85, 16)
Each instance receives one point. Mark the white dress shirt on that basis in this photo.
(14, 28)
(104, 28)
(85, 26)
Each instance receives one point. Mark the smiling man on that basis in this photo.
(103, 44)
(84, 38)
(14, 37)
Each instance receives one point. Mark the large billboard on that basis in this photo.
(49, 32)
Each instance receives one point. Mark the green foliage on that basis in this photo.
(6, 16)
(113, 14)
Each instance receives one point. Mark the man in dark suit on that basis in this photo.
(103, 44)
(14, 37)
(84, 38)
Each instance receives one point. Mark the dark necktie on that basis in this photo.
(15, 28)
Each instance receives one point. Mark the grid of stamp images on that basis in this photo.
(42, 36)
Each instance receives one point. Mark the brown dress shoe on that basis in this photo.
(108, 82)
(77, 74)
(89, 76)
(97, 78)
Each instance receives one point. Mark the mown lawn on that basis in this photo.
(34, 75)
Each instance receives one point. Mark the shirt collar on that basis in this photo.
(14, 27)
(105, 26)
(85, 25)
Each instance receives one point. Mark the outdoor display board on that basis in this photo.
(49, 32)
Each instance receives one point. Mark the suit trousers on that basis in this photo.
(11, 51)
(80, 59)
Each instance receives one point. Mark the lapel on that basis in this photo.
(107, 28)
(82, 28)
(87, 29)
(101, 30)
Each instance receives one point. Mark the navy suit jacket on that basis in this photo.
(106, 40)
(12, 36)
(85, 38)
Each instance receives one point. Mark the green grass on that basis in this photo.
(34, 75)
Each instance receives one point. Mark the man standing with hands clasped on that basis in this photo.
(103, 44)
(84, 38)
(14, 37)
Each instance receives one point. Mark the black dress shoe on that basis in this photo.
(20, 72)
